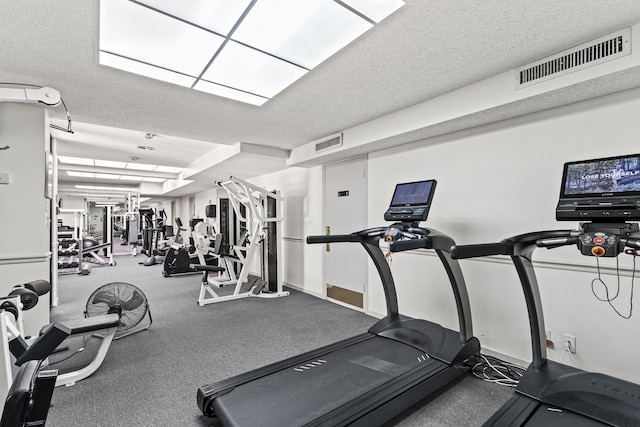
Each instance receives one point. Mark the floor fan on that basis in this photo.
(124, 299)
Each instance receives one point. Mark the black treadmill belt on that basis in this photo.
(549, 416)
(317, 386)
(521, 410)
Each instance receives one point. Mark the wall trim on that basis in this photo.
(303, 290)
(581, 267)
(25, 259)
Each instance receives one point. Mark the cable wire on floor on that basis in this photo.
(494, 370)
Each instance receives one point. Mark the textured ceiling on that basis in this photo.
(424, 50)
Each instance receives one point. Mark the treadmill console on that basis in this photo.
(601, 190)
(599, 244)
(411, 201)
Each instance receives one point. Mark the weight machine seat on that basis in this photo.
(210, 268)
(85, 325)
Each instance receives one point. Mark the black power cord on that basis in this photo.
(608, 299)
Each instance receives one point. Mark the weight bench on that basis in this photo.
(52, 335)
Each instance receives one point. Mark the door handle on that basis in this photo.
(328, 245)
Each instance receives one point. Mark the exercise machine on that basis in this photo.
(370, 378)
(183, 252)
(155, 234)
(550, 393)
(259, 209)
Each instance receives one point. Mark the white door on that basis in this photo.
(345, 211)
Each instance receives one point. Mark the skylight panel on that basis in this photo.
(376, 10)
(227, 92)
(304, 32)
(216, 15)
(246, 50)
(134, 31)
(238, 66)
(147, 70)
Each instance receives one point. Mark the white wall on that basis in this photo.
(301, 190)
(502, 180)
(25, 250)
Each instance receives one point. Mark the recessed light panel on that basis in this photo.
(245, 50)
(81, 174)
(230, 93)
(216, 15)
(75, 160)
(304, 32)
(140, 166)
(109, 164)
(168, 169)
(133, 31)
(253, 71)
(131, 178)
(107, 176)
(376, 10)
(147, 70)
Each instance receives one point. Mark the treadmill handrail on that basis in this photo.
(442, 243)
(425, 238)
(368, 238)
(521, 248)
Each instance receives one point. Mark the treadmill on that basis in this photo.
(550, 393)
(370, 378)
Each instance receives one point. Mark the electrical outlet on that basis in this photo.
(566, 338)
(549, 341)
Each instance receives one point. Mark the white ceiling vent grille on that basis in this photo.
(331, 142)
(586, 55)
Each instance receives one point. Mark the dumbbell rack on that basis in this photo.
(70, 256)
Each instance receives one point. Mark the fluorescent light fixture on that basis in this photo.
(152, 179)
(81, 174)
(107, 176)
(131, 178)
(248, 51)
(168, 169)
(99, 187)
(140, 166)
(109, 164)
(75, 160)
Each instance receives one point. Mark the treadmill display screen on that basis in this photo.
(601, 190)
(411, 201)
(612, 176)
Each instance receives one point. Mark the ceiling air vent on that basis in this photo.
(331, 142)
(586, 55)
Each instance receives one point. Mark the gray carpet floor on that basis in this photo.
(150, 378)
